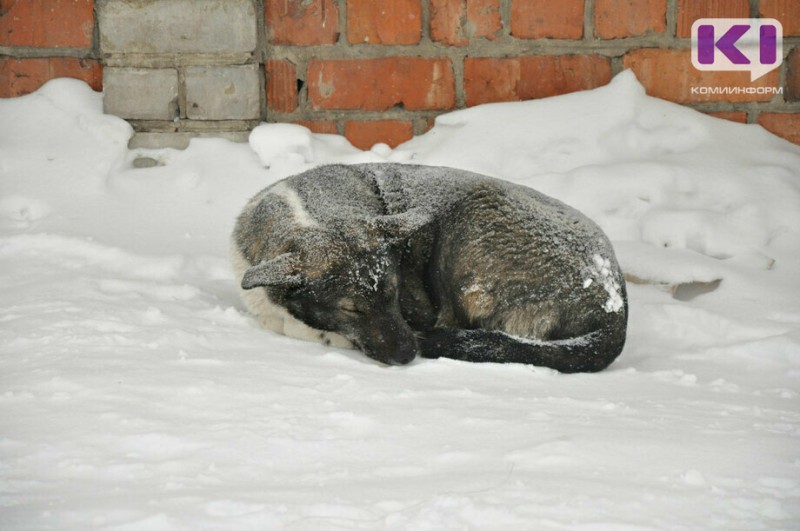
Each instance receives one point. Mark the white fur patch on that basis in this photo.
(299, 212)
(274, 317)
(603, 273)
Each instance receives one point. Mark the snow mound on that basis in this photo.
(287, 147)
(644, 169)
(128, 366)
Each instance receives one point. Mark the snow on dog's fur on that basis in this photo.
(402, 260)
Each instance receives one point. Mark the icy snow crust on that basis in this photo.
(137, 393)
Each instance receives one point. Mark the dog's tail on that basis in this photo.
(592, 352)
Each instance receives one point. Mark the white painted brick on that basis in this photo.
(223, 93)
(177, 26)
(141, 93)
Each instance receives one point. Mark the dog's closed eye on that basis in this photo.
(348, 306)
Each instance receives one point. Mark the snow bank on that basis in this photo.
(136, 393)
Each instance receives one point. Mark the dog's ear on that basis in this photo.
(280, 271)
(397, 227)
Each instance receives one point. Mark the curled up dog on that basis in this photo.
(401, 260)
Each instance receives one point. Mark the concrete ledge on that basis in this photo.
(193, 126)
(180, 140)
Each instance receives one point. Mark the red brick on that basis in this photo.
(547, 19)
(328, 128)
(691, 10)
(669, 74)
(733, 116)
(786, 125)
(281, 85)
(302, 22)
(785, 11)
(614, 19)
(379, 84)
(23, 76)
(455, 22)
(47, 23)
(522, 78)
(793, 76)
(384, 22)
(364, 135)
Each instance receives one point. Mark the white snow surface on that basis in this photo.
(137, 394)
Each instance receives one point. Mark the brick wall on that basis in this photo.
(41, 40)
(377, 71)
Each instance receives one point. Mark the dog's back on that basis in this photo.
(515, 275)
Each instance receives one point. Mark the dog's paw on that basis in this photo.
(440, 342)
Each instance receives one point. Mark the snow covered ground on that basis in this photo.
(137, 394)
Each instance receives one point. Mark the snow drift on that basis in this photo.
(136, 393)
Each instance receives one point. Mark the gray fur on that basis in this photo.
(404, 260)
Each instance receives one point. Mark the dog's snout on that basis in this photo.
(404, 355)
(391, 341)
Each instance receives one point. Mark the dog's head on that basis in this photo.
(346, 280)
